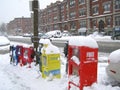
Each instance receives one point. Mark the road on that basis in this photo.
(106, 46)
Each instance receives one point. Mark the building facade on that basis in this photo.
(71, 15)
(19, 26)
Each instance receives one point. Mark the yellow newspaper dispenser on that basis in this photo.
(50, 60)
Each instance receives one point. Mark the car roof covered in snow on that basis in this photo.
(114, 57)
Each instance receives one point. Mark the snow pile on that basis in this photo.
(48, 48)
(75, 79)
(83, 41)
(99, 36)
(4, 40)
(22, 78)
(115, 56)
(75, 59)
(96, 86)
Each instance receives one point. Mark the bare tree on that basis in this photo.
(3, 29)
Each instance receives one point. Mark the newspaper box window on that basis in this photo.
(82, 62)
(50, 60)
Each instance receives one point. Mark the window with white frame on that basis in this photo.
(72, 14)
(49, 11)
(55, 9)
(82, 23)
(81, 1)
(72, 3)
(55, 26)
(82, 12)
(108, 21)
(55, 18)
(117, 4)
(72, 25)
(62, 8)
(94, 0)
(106, 7)
(117, 21)
(94, 21)
(62, 17)
(95, 9)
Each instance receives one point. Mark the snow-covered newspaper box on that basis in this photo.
(50, 59)
(27, 56)
(82, 62)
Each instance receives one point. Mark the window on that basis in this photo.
(55, 26)
(55, 18)
(94, 0)
(117, 21)
(82, 12)
(81, 1)
(94, 24)
(72, 25)
(49, 20)
(82, 23)
(62, 8)
(62, 17)
(106, 6)
(72, 2)
(55, 9)
(72, 14)
(108, 21)
(95, 10)
(49, 11)
(117, 4)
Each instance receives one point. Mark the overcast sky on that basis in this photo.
(10, 9)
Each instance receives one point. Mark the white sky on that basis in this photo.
(10, 9)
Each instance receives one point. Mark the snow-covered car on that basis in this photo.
(27, 35)
(4, 41)
(113, 69)
(116, 33)
(55, 34)
(66, 34)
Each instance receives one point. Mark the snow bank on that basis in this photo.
(4, 40)
(97, 86)
(75, 79)
(115, 56)
(83, 41)
(23, 78)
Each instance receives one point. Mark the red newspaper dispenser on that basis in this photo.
(21, 49)
(27, 56)
(82, 62)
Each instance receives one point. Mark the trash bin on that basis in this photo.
(82, 62)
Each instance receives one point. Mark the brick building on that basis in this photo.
(19, 26)
(72, 15)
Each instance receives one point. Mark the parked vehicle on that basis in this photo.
(116, 33)
(27, 35)
(40, 36)
(65, 34)
(55, 34)
(113, 69)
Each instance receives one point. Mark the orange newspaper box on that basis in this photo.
(82, 62)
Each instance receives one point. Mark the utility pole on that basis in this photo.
(35, 24)
(35, 7)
